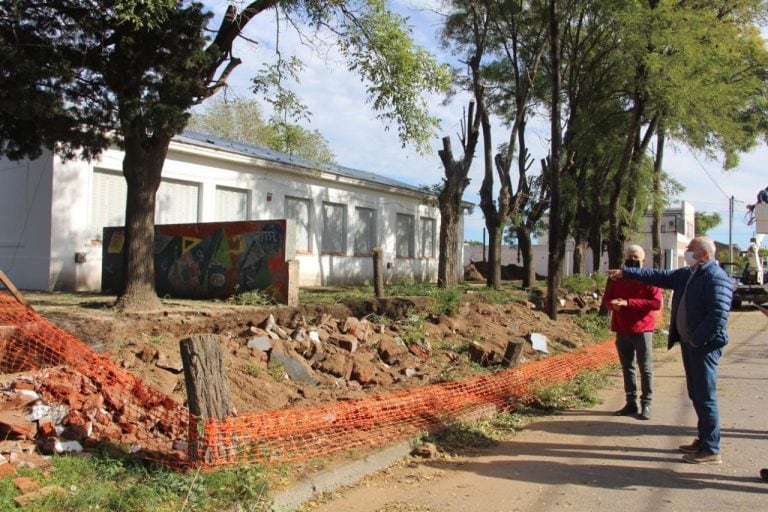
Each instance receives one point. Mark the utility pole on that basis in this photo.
(730, 230)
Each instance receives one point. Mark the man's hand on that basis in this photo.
(615, 273)
(618, 303)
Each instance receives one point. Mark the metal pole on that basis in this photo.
(730, 230)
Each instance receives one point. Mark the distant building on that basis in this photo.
(52, 213)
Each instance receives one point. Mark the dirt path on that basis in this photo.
(589, 460)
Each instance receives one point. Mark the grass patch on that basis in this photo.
(464, 436)
(596, 325)
(254, 298)
(581, 391)
(129, 485)
(580, 283)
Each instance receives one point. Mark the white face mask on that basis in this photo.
(689, 259)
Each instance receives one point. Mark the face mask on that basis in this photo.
(689, 259)
(630, 263)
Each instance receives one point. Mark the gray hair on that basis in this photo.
(635, 248)
(708, 245)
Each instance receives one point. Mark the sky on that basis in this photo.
(336, 99)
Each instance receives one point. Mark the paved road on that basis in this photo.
(590, 460)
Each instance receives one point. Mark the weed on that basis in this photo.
(595, 324)
(660, 338)
(462, 436)
(447, 300)
(254, 298)
(412, 329)
(155, 340)
(276, 371)
(581, 391)
(122, 485)
(492, 296)
(252, 368)
(579, 283)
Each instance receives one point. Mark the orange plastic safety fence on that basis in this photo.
(162, 429)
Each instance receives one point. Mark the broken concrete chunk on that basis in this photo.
(263, 343)
(539, 342)
(170, 363)
(426, 450)
(26, 499)
(269, 323)
(295, 366)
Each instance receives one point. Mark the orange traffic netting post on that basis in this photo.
(123, 409)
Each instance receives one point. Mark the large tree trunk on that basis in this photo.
(656, 224)
(142, 167)
(494, 257)
(449, 199)
(449, 245)
(556, 238)
(526, 250)
(579, 249)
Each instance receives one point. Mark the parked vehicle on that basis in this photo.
(748, 282)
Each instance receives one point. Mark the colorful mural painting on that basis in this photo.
(208, 260)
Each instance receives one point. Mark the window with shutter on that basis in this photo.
(334, 228)
(297, 209)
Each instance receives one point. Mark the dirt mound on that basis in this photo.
(478, 271)
(286, 357)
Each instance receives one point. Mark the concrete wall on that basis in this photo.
(210, 260)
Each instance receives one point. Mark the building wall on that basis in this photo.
(60, 252)
(25, 227)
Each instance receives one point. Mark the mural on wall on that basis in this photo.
(208, 260)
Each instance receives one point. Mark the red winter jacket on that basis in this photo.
(639, 315)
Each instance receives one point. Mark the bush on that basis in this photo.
(579, 283)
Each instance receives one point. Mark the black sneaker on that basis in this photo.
(764, 474)
(628, 410)
(645, 414)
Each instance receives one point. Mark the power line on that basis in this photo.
(726, 195)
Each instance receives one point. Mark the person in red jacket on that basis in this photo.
(633, 306)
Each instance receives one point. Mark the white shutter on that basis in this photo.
(404, 236)
(298, 210)
(334, 228)
(231, 204)
(365, 230)
(108, 197)
(427, 237)
(177, 202)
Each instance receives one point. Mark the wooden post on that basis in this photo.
(12, 289)
(207, 394)
(514, 352)
(378, 272)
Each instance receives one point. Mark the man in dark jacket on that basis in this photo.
(700, 305)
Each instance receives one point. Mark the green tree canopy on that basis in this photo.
(243, 121)
(81, 75)
(703, 222)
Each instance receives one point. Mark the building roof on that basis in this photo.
(209, 141)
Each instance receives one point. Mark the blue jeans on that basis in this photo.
(631, 347)
(700, 366)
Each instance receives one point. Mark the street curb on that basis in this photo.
(333, 479)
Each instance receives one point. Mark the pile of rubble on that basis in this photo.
(59, 410)
(356, 350)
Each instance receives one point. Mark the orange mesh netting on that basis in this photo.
(121, 408)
